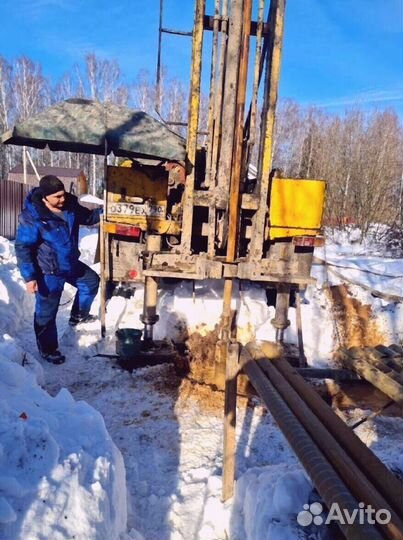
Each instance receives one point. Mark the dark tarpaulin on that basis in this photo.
(80, 125)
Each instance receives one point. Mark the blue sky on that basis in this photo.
(337, 53)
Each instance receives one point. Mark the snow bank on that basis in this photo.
(267, 501)
(379, 274)
(349, 240)
(15, 304)
(88, 240)
(184, 310)
(61, 476)
(13, 351)
(14, 301)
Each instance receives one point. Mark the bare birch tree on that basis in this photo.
(6, 111)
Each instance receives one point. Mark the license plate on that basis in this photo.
(137, 210)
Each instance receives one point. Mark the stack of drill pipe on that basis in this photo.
(333, 471)
(391, 357)
(338, 375)
(386, 365)
(367, 363)
(378, 359)
(390, 487)
(397, 348)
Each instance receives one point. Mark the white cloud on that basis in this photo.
(36, 9)
(366, 97)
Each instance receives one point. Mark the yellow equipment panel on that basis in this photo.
(136, 199)
(135, 184)
(296, 207)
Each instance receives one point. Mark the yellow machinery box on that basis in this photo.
(136, 199)
(296, 207)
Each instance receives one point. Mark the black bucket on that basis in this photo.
(128, 342)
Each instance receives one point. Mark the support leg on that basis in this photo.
(280, 321)
(149, 316)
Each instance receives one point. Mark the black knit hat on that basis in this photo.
(50, 184)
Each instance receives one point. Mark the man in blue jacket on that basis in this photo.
(47, 254)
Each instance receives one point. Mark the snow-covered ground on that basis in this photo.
(61, 476)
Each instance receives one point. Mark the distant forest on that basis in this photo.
(359, 153)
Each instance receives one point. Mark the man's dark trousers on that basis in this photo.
(50, 288)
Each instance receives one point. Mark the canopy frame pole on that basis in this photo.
(33, 165)
(24, 164)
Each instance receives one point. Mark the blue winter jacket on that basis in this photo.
(45, 242)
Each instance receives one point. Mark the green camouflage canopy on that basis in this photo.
(81, 125)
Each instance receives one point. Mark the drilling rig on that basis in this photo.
(204, 216)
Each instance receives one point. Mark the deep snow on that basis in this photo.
(168, 431)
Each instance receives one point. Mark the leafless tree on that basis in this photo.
(104, 81)
(31, 89)
(359, 154)
(6, 110)
(143, 95)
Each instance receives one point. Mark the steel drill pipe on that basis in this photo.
(149, 316)
(350, 473)
(213, 86)
(218, 105)
(273, 63)
(328, 483)
(380, 476)
(229, 103)
(241, 59)
(234, 206)
(338, 375)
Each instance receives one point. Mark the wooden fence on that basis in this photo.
(12, 197)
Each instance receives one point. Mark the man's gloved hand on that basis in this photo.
(31, 286)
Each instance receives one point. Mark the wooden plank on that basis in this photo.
(377, 378)
(364, 352)
(209, 25)
(399, 351)
(397, 348)
(391, 358)
(231, 373)
(160, 272)
(387, 351)
(399, 362)
(250, 201)
(382, 363)
(396, 364)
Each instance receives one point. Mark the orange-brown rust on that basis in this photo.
(355, 322)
